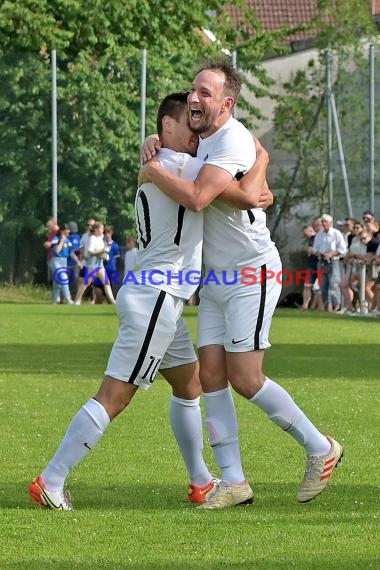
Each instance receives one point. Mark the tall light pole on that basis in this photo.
(372, 128)
(143, 96)
(54, 133)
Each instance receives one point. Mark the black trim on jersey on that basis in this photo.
(148, 336)
(239, 176)
(251, 216)
(148, 230)
(260, 316)
(181, 215)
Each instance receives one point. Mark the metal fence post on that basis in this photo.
(362, 297)
(54, 133)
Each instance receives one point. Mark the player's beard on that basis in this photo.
(201, 128)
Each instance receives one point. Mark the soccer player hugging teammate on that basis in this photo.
(234, 320)
(152, 334)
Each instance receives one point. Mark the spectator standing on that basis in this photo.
(311, 266)
(351, 278)
(86, 238)
(83, 255)
(111, 267)
(329, 246)
(317, 302)
(61, 247)
(368, 258)
(72, 265)
(111, 264)
(94, 264)
(130, 257)
(53, 229)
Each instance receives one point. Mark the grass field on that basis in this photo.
(129, 494)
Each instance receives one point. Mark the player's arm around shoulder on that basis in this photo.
(194, 195)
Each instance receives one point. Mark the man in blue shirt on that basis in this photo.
(73, 267)
(111, 264)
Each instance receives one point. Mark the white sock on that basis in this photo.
(283, 411)
(186, 422)
(85, 430)
(222, 427)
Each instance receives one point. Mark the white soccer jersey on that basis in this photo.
(233, 238)
(169, 235)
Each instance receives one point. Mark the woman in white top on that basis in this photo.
(94, 265)
(351, 278)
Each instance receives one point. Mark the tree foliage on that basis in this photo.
(99, 46)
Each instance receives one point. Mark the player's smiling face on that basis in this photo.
(208, 103)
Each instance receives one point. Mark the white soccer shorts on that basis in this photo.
(152, 335)
(239, 316)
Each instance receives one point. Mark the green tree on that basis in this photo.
(99, 47)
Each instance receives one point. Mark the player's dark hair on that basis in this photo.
(172, 106)
(233, 80)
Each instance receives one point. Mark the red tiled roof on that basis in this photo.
(274, 14)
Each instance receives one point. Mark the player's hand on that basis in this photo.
(266, 197)
(145, 170)
(149, 149)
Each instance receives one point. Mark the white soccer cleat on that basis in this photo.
(318, 472)
(56, 500)
(228, 495)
